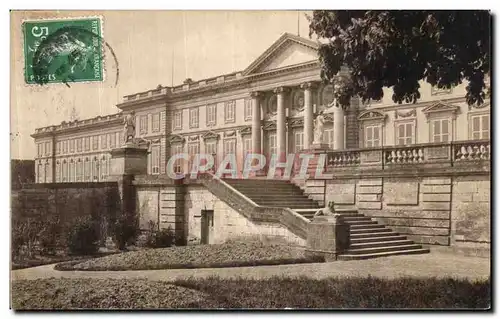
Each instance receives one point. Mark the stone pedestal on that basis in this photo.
(316, 150)
(327, 236)
(129, 159)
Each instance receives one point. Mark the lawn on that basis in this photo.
(199, 256)
(274, 293)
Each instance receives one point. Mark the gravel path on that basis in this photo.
(434, 264)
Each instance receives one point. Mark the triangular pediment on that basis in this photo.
(210, 135)
(372, 115)
(173, 139)
(440, 107)
(247, 130)
(287, 51)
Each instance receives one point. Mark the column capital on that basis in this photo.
(308, 85)
(281, 89)
(255, 94)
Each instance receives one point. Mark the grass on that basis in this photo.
(273, 293)
(200, 256)
(47, 260)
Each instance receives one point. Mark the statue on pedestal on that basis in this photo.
(129, 128)
(318, 128)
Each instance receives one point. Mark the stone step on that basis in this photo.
(380, 244)
(380, 238)
(360, 234)
(369, 231)
(269, 191)
(292, 206)
(370, 226)
(384, 254)
(355, 217)
(387, 248)
(360, 222)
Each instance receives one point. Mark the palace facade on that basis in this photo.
(269, 107)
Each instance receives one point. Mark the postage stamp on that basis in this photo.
(63, 50)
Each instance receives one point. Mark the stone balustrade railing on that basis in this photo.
(443, 154)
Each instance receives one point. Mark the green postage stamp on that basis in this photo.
(63, 50)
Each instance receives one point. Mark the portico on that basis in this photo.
(286, 104)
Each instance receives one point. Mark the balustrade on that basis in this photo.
(472, 151)
(343, 159)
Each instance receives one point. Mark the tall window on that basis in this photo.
(47, 172)
(58, 148)
(156, 122)
(79, 144)
(177, 120)
(248, 109)
(211, 114)
(79, 170)
(372, 136)
(65, 171)
(177, 149)
(72, 171)
(405, 133)
(480, 126)
(328, 137)
(273, 149)
(95, 170)
(440, 130)
(229, 146)
(193, 149)
(72, 145)
(58, 172)
(87, 143)
(247, 145)
(143, 124)
(47, 148)
(40, 149)
(112, 140)
(211, 147)
(104, 168)
(193, 117)
(229, 111)
(155, 159)
(65, 147)
(119, 138)
(87, 172)
(41, 176)
(95, 142)
(298, 140)
(104, 140)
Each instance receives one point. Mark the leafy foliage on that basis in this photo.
(399, 48)
(125, 231)
(162, 238)
(83, 238)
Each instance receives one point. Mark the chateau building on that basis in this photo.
(267, 108)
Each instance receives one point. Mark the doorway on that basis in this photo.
(207, 224)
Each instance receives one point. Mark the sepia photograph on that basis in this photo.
(250, 160)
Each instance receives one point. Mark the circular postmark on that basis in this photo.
(71, 54)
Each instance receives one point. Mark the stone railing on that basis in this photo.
(286, 217)
(433, 154)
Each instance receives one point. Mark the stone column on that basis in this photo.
(308, 115)
(281, 122)
(338, 128)
(256, 123)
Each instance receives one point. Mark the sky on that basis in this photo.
(152, 48)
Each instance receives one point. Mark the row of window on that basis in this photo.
(89, 143)
(440, 131)
(211, 115)
(87, 170)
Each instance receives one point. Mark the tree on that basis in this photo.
(399, 48)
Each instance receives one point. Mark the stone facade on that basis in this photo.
(268, 108)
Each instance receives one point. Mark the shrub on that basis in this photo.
(25, 235)
(159, 238)
(125, 231)
(48, 235)
(83, 237)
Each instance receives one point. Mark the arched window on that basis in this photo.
(71, 171)
(79, 170)
(47, 172)
(87, 172)
(41, 176)
(58, 172)
(104, 168)
(95, 169)
(65, 171)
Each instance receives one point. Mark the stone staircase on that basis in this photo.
(369, 239)
(273, 193)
